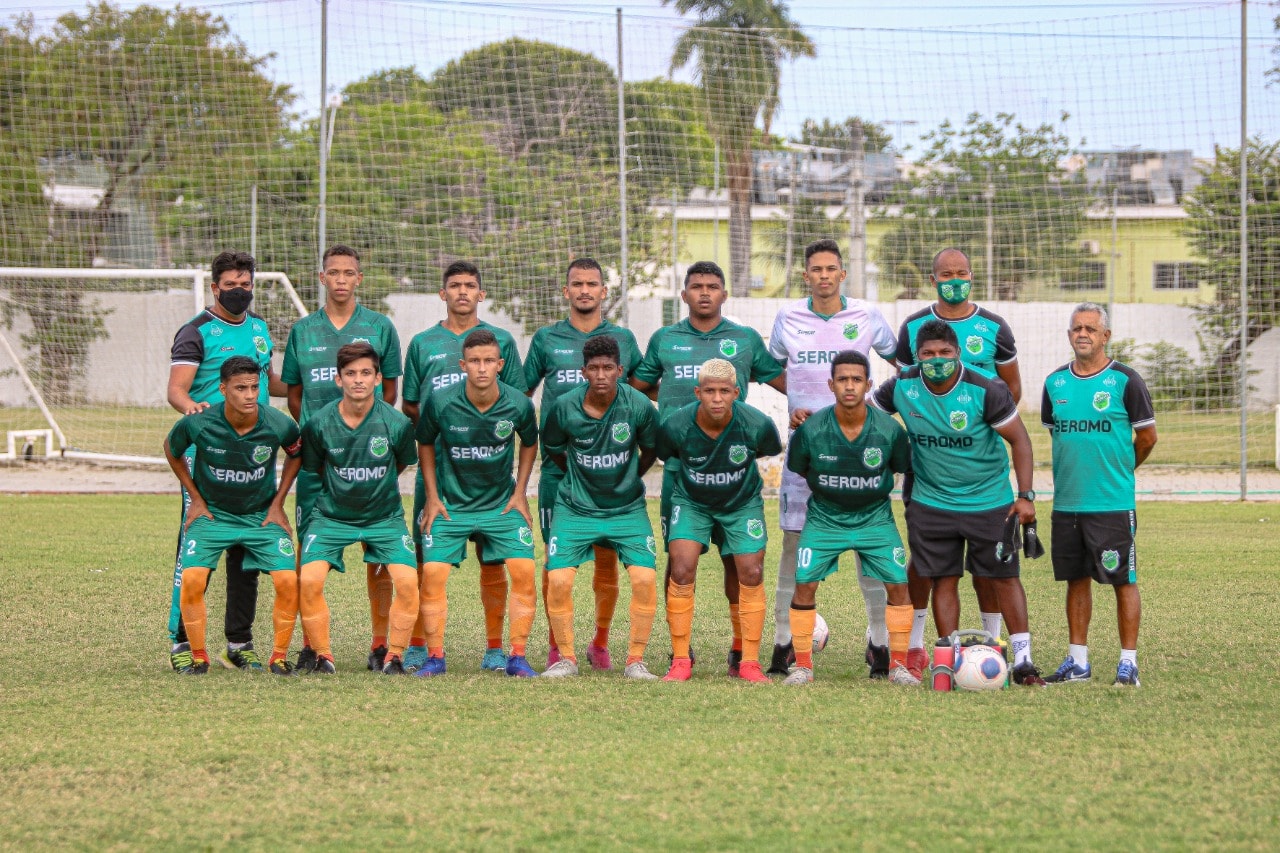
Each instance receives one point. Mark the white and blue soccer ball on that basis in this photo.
(821, 633)
(980, 668)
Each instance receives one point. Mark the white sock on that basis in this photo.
(918, 620)
(876, 598)
(991, 624)
(1021, 647)
(237, 647)
(1079, 654)
(786, 588)
(1130, 655)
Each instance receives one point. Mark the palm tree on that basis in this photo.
(740, 46)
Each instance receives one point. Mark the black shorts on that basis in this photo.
(938, 538)
(1098, 545)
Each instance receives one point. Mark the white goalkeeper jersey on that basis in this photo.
(807, 342)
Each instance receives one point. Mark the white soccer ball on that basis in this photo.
(821, 633)
(980, 668)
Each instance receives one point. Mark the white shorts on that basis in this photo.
(793, 501)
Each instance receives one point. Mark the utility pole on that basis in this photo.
(324, 144)
(990, 195)
(855, 284)
(625, 315)
(789, 256)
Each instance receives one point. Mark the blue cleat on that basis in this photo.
(1127, 675)
(433, 666)
(518, 667)
(1070, 671)
(414, 658)
(495, 660)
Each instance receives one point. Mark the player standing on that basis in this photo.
(603, 434)
(716, 499)
(956, 418)
(848, 454)
(671, 364)
(555, 357)
(1099, 415)
(358, 445)
(807, 335)
(234, 502)
(431, 365)
(465, 449)
(309, 372)
(225, 329)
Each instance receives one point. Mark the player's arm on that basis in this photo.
(648, 455)
(434, 506)
(1007, 360)
(294, 397)
(1011, 376)
(410, 410)
(1144, 441)
(555, 443)
(1013, 431)
(179, 391)
(647, 429)
(275, 385)
(390, 390)
(798, 454)
(524, 470)
(198, 507)
(1142, 414)
(778, 383)
(648, 373)
(291, 444)
(412, 383)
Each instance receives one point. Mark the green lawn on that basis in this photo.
(104, 747)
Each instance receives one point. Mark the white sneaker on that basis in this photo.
(899, 674)
(563, 668)
(799, 675)
(640, 671)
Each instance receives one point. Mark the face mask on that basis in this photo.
(939, 369)
(236, 300)
(954, 291)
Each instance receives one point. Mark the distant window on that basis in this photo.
(1090, 275)
(1177, 276)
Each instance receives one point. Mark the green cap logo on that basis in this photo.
(1110, 560)
(652, 545)
(851, 331)
(1102, 400)
(973, 344)
(872, 457)
(526, 536)
(261, 454)
(285, 544)
(755, 528)
(378, 445)
(728, 348)
(959, 420)
(900, 556)
(503, 428)
(738, 454)
(622, 433)
(260, 344)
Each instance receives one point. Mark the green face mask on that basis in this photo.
(939, 369)
(954, 291)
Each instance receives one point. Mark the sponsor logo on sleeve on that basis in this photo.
(378, 445)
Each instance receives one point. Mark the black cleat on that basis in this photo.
(878, 660)
(1027, 675)
(735, 661)
(783, 658)
(393, 666)
(306, 661)
(377, 659)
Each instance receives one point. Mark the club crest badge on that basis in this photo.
(378, 446)
(261, 454)
(503, 429)
(285, 545)
(728, 348)
(958, 420)
(652, 545)
(851, 331)
(973, 344)
(755, 528)
(260, 344)
(407, 541)
(1102, 400)
(738, 454)
(526, 536)
(1110, 560)
(900, 556)
(872, 457)
(621, 433)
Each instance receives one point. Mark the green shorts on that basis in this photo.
(497, 536)
(574, 536)
(873, 535)
(670, 469)
(548, 488)
(741, 531)
(308, 484)
(387, 540)
(266, 549)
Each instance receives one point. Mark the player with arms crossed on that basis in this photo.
(225, 329)
(555, 358)
(1099, 415)
(234, 502)
(431, 365)
(716, 499)
(466, 444)
(959, 503)
(671, 364)
(807, 335)
(603, 435)
(309, 372)
(848, 454)
(988, 345)
(358, 445)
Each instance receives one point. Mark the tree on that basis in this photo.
(829, 134)
(668, 144)
(740, 46)
(989, 173)
(786, 237)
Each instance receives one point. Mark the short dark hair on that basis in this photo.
(237, 261)
(355, 351)
(936, 330)
(601, 346)
(460, 268)
(584, 264)
(934, 266)
(342, 250)
(703, 268)
(480, 338)
(824, 245)
(851, 356)
(238, 365)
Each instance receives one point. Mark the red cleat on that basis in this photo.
(681, 670)
(750, 670)
(599, 657)
(917, 662)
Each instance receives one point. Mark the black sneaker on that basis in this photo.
(197, 667)
(377, 659)
(306, 661)
(180, 657)
(783, 658)
(393, 665)
(735, 661)
(324, 666)
(1027, 675)
(281, 667)
(244, 659)
(878, 659)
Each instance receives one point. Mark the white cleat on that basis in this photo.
(563, 668)
(799, 675)
(639, 671)
(899, 674)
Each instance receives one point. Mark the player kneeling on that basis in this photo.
(848, 454)
(716, 499)
(351, 443)
(235, 501)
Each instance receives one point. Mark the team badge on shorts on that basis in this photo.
(959, 420)
(1110, 560)
(261, 454)
(872, 457)
(1102, 400)
(1000, 551)
(622, 433)
(728, 348)
(260, 344)
(503, 428)
(755, 528)
(378, 445)
(652, 545)
(526, 536)
(738, 454)
(285, 545)
(973, 344)
(426, 540)
(407, 541)
(851, 331)
(900, 556)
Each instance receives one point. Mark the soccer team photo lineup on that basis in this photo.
(458, 406)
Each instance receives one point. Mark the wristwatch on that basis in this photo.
(1027, 496)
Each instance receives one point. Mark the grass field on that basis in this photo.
(104, 748)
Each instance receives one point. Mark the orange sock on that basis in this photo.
(522, 605)
(284, 612)
(802, 619)
(736, 622)
(195, 615)
(751, 606)
(314, 608)
(434, 604)
(419, 637)
(380, 588)
(898, 618)
(551, 634)
(560, 610)
(493, 598)
(644, 606)
(404, 608)
(680, 616)
(605, 585)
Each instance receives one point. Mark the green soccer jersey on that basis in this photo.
(432, 361)
(602, 455)
(357, 467)
(206, 341)
(676, 354)
(986, 340)
(848, 476)
(310, 356)
(1091, 420)
(475, 450)
(719, 472)
(959, 459)
(555, 358)
(235, 474)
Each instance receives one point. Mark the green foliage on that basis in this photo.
(831, 134)
(808, 222)
(668, 143)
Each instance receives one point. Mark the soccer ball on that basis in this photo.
(980, 668)
(821, 633)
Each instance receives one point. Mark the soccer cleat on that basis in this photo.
(553, 656)
(917, 662)
(735, 662)
(281, 666)
(799, 675)
(1027, 675)
(693, 658)
(393, 665)
(517, 666)
(681, 670)
(198, 667)
(244, 659)
(599, 658)
(433, 666)
(377, 659)
(306, 661)
(1127, 675)
(180, 657)
(563, 668)
(1070, 671)
(878, 660)
(783, 658)
(324, 666)
(494, 660)
(414, 658)
(750, 671)
(638, 671)
(899, 674)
